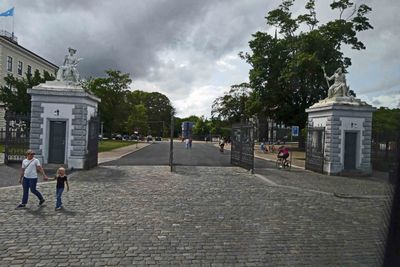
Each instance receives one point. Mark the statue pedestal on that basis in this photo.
(339, 136)
(60, 118)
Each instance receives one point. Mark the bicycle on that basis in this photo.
(282, 163)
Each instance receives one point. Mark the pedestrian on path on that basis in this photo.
(61, 182)
(187, 143)
(29, 177)
(221, 145)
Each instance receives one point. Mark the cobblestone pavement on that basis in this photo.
(198, 216)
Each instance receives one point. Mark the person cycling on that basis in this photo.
(283, 154)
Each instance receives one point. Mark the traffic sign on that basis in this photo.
(295, 130)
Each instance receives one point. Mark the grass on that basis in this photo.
(108, 145)
(104, 145)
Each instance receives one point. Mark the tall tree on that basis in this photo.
(201, 127)
(286, 73)
(112, 91)
(137, 120)
(232, 105)
(14, 94)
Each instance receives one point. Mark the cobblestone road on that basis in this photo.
(198, 216)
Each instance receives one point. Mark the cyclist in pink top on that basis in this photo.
(283, 152)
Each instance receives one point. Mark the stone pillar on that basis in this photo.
(36, 130)
(341, 117)
(58, 102)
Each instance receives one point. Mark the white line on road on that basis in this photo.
(291, 187)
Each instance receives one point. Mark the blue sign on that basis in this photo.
(295, 130)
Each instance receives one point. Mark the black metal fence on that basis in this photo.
(92, 145)
(16, 140)
(242, 146)
(383, 154)
(315, 149)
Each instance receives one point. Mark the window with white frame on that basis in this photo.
(20, 67)
(29, 70)
(9, 63)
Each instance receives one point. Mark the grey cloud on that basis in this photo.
(128, 35)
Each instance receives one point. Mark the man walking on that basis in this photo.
(29, 178)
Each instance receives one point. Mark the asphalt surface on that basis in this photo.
(201, 154)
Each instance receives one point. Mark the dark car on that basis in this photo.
(158, 138)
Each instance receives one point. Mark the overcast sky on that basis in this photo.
(187, 49)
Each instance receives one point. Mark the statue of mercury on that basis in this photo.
(68, 72)
(339, 87)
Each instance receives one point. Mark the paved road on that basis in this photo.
(125, 215)
(201, 154)
(198, 216)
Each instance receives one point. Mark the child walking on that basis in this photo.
(61, 182)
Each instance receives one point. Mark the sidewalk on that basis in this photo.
(119, 152)
(299, 158)
(9, 174)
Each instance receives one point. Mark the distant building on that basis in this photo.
(18, 61)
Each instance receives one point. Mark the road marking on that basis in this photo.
(272, 183)
(266, 179)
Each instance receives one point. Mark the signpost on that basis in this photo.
(295, 130)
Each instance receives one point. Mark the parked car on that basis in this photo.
(149, 138)
(158, 138)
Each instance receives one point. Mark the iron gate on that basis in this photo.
(92, 145)
(315, 149)
(17, 136)
(242, 149)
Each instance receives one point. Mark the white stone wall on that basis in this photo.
(337, 119)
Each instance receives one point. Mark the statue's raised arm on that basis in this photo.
(339, 88)
(68, 72)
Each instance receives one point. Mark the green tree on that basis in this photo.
(385, 126)
(158, 111)
(14, 95)
(286, 75)
(137, 119)
(232, 105)
(201, 127)
(112, 91)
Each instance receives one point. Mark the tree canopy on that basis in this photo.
(286, 74)
(14, 94)
(125, 111)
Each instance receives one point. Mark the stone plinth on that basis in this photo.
(60, 113)
(343, 117)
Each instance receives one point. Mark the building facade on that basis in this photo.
(19, 61)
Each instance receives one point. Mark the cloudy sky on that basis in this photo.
(187, 49)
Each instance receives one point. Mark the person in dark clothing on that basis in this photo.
(61, 182)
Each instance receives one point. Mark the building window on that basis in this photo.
(29, 70)
(9, 63)
(19, 67)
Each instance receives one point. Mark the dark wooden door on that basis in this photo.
(350, 150)
(57, 142)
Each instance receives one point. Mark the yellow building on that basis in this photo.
(18, 61)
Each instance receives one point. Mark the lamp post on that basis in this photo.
(171, 143)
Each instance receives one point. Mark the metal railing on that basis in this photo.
(9, 35)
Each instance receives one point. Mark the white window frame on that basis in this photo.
(9, 64)
(20, 67)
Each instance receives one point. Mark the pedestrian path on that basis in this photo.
(119, 152)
